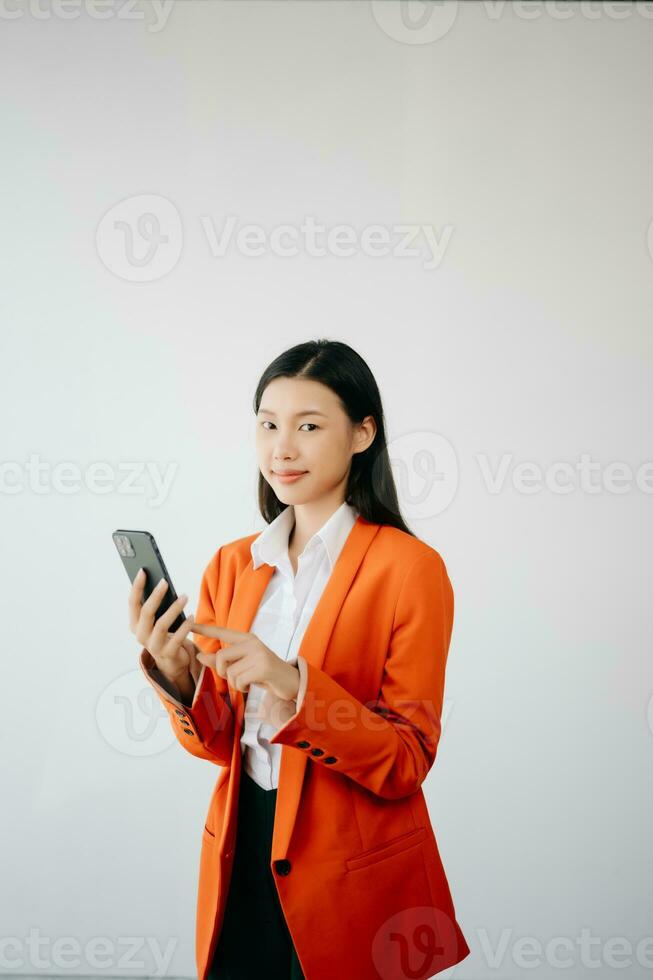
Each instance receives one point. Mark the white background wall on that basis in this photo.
(521, 136)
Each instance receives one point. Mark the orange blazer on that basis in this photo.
(354, 856)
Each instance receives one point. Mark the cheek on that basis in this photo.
(329, 455)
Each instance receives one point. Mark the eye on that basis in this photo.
(266, 421)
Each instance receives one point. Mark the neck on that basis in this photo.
(309, 518)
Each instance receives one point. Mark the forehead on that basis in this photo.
(293, 397)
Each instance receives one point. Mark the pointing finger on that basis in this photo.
(220, 633)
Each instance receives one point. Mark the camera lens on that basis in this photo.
(124, 546)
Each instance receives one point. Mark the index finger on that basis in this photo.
(220, 633)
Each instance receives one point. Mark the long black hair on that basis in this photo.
(371, 486)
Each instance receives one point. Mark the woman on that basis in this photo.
(316, 684)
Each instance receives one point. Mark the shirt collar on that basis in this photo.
(271, 545)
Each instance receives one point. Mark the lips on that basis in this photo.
(289, 472)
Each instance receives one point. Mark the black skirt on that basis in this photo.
(254, 941)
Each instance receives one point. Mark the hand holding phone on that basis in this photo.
(156, 615)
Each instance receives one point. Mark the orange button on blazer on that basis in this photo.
(354, 856)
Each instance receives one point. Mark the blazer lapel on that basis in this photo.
(313, 648)
(244, 606)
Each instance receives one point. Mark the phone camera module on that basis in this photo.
(124, 546)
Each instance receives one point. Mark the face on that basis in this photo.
(301, 425)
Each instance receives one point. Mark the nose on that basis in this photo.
(284, 451)
(285, 459)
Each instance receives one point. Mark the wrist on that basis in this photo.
(178, 678)
(181, 680)
(288, 685)
(293, 682)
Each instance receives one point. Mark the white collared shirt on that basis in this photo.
(282, 617)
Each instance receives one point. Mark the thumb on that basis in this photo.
(192, 650)
(208, 659)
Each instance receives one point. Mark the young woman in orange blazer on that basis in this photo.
(335, 871)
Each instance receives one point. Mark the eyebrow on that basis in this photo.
(297, 415)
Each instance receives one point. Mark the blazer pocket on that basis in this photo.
(391, 847)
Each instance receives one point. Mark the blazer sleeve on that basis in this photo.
(205, 728)
(387, 745)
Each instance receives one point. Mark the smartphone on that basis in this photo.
(138, 549)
